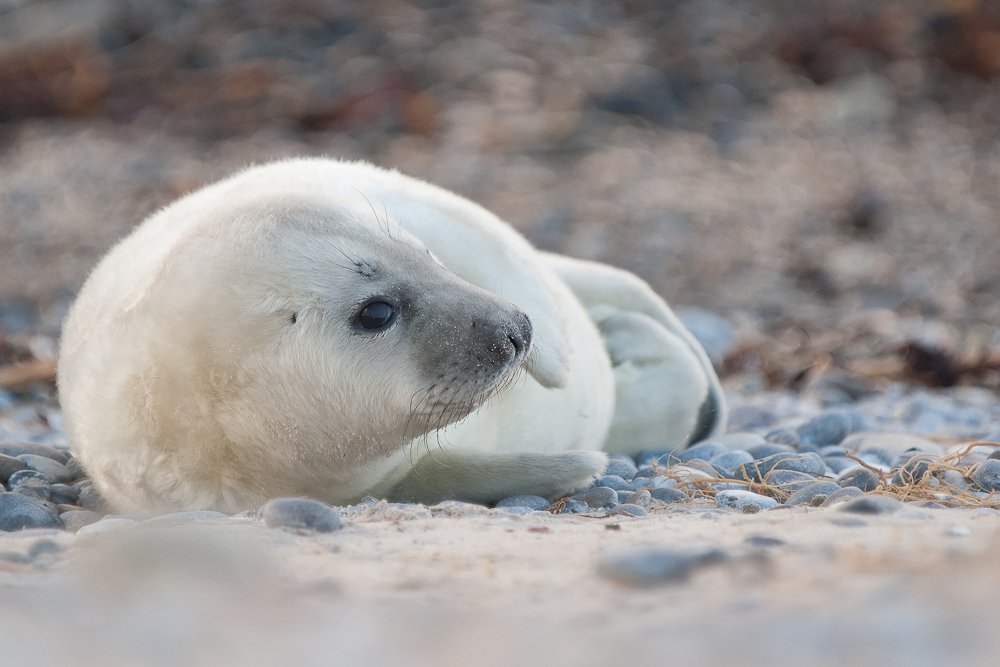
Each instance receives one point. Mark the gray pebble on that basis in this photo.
(599, 496)
(790, 481)
(648, 473)
(91, 499)
(652, 567)
(813, 494)
(807, 462)
(612, 482)
(575, 507)
(782, 436)
(55, 472)
(954, 478)
(61, 494)
(23, 476)
(703, 451)
(742, 500)
(668, 495)
(300, 513)
(829, 428)
(892, 443)
(859, 477)
(18, 448)
(875, 456)
(832, 450)
(838, 464)
(18, 511)
(845, 493)
(640, 483)
(912, 469)
(75, 468)
(769, 449)
(987, 475)
(872, 505)
(8, 466)
(621, 468)
(77, 519)
(532, 502)
(643, 499)
(731, 460)
(629, 508)
(659, 457)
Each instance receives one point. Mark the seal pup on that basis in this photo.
(332, 330)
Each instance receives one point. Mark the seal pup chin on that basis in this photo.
(331, 330)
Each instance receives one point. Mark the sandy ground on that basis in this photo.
(427, 587)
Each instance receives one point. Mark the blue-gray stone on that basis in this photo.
(731, 460)
(300, 514)
(18, 511)
(807, 462)
(668, 495)
(832, 450)
(61, 494)
(862, 478)
(745, 501)
(646, 472)
(8, 466)
(703, 451)
(871, 504)
(621, 468)
(640, 483)
(813, 494)
(641, 498)
(987, 475)
(839, 464)
(629, 508)
(23, 476)
(575, 507)
(912, 469)
(651, 567)
(55, 472)
(829, 428)
(75, 468)
(875, 456)
(533, 502)
(661, 457)
(749, 418)
(769, 449)
(599, 496)
(18, 448)
(845, 493)
(789, 481)
(782, 436)
(612, 482)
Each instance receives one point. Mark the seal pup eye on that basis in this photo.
(376, 314)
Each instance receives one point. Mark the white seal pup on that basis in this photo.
(331, 329)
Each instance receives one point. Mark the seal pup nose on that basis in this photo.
(520, 335)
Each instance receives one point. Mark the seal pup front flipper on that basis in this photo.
(668, 393)
(487, 478)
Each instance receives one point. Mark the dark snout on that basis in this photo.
(519, 334)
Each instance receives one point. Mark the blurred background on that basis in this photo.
(815, 186)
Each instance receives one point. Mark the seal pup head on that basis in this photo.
(272, 345)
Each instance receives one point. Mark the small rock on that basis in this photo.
(769, 449)
(612, 482)
(657, 457)
(75, 468)
(77, 519)
(91, 499)
(875, 456)
(829, 428)
(807, 462)
(668, 495)
(959, 531)
(953, 478)
(599, 496)
(731, 460)
(703, 451)
(643, 499)
(782, 436)
(743, 499)
(19, 448)
(845, 493)
(621, 468)
(55, 473)
(813, 494)
(872, 505)
(300, 513)
(648, 473)
(652, 567)
(838, 464)
(18, 511)
(628, 508)
(790, 481)
(23, 476)
(8, 466)
(532, 502)
(892, 443)
(987, 475)
(832, 450)
(640, 483)
(61, 494)
(574, 507)
(914, 468)
(859, 477)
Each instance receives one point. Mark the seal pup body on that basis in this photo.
(221, 355)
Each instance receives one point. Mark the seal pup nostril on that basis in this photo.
(520, 335)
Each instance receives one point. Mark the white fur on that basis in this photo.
(185, 386)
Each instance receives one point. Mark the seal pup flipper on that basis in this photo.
(635, 322)
(487, 478)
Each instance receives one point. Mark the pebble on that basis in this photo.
(892, 443)
(703, 450)
(859, 477)
(55, 472)
(640, 483)
(61, 494)
(987, 475)
(91, 499)
(599, 496)
(876, 456)
(747, 417)
(870, 504)
(18, 511)
(75, 468)
(8, 466)
(807, 462)
(912, 469)
(620, 468)
(612, 482)
(668, 495)
(643, 499)
(300, 513)
(531, 502)
(768, 449)
(790, 480)
(653, 567)
(813, 494)
(731, 460)
(74, 520)
(34, 448)
(628, 508)
(743, 500)
(658, 457)
(575, 507)
(838, 464)
(953, 478)
(844, 493)
(783, 436)
(959, 531)
(829, 428)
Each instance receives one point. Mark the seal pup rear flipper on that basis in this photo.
(487, 478)
(668, 393)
